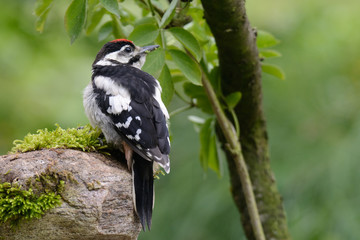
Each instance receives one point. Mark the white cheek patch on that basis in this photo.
(122, 59)
(105, 62)
(115, 56)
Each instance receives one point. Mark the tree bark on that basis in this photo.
(241, 71)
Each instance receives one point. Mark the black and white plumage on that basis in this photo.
(125, 103)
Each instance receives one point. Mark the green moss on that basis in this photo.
(39, 194)
(85, 138)
(17, 204)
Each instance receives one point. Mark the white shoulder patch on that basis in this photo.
(110, 87)
(117, 104)
(119, 99)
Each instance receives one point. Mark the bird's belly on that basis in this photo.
(98, 119)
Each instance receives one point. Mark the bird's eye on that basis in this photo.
(128, 49)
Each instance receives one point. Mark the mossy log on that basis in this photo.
(96, 198)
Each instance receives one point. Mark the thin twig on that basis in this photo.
(151, 8)
(235, 148)
(232, 138)
(236, 122)
(158, 10)
(180, 110)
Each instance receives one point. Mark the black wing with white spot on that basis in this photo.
(131, 102)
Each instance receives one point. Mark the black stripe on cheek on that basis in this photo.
(134, 59)
(114, 61)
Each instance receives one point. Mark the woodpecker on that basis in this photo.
(125, 103)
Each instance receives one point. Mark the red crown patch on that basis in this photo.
(121, 40)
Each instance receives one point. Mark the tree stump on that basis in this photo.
(96, 204)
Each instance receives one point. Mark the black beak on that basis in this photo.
(148, 49)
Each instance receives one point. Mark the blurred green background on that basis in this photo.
(313, 117)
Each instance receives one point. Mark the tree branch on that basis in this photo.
(235, 148)
(241, 71)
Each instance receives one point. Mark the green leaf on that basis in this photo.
(209, 157)
(146, 20)
(187, 66)
(155, 62)
(144, 34)
(94, 20)
(188, 40)
(193, 91)
(213, 156)
(197, 29)
(205, 133)
(198, 93)
(141, 4)
(268, 53)
(112, 6)
(166, 85)
(178, 78)
(215, 80)
(198, 122)
(120, 31)
(91, 5)
(169, 14)
(105, 31)
(42, 6)
(42, 9)
(273, 70)
(75, 18)
(233, 99)
(265, 39)
(196, 119)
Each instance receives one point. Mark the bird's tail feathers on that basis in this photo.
(164, 162)
(143, 189)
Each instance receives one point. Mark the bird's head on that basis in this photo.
(123, 51)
